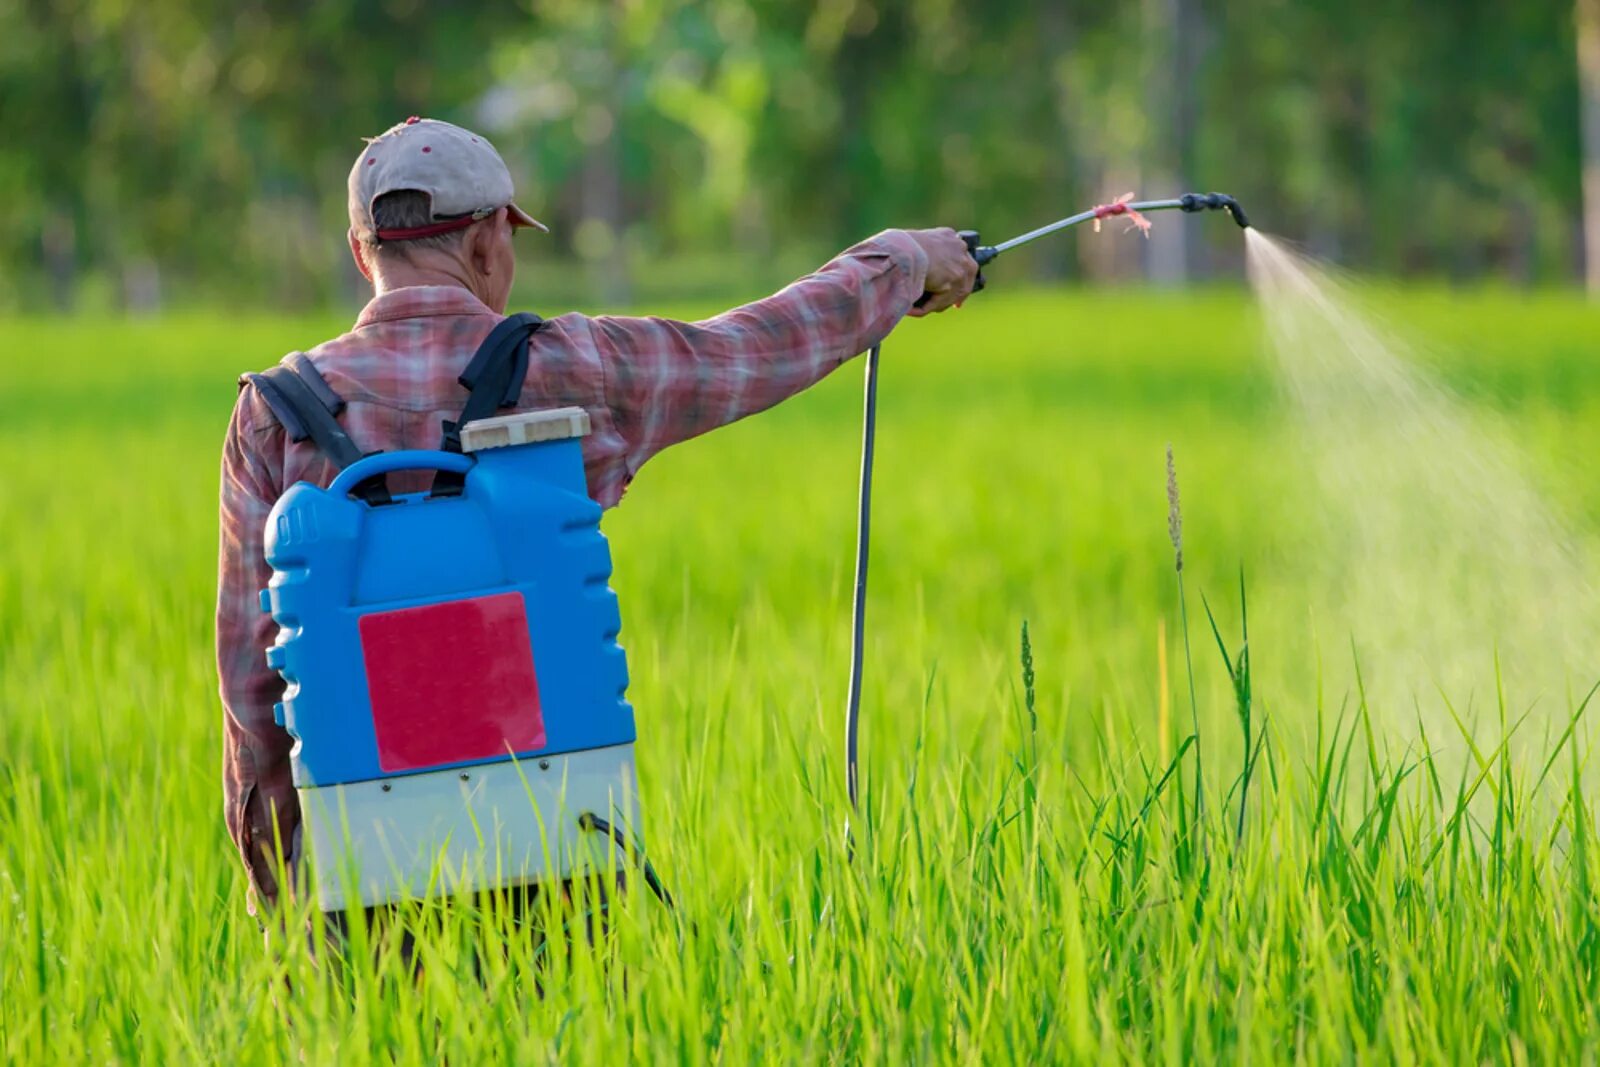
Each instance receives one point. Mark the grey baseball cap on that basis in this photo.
(463, 175)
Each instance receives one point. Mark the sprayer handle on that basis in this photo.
(979, 252)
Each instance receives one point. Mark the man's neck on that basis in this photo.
(407, 275)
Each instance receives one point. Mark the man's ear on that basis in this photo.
(481, 242)
(358, 254)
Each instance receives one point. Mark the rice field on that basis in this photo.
(1040, 874)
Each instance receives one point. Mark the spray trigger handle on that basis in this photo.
(979, 251)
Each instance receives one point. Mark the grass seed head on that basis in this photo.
(1174, 511)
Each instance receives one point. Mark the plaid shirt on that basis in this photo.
(646, 382)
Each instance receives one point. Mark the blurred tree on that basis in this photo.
(1172, 42)
(1588, 22)
(199, 147)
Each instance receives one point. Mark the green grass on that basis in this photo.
(1029, 885)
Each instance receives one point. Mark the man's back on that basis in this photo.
(397, 372)
(646, 383)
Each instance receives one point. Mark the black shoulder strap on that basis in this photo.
(493, 380)
(288, 393)
(313, 379)
(495, 375)
(282, 410)
(306, 405)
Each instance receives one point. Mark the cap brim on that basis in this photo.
(520, 218)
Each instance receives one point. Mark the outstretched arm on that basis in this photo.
(667, 381)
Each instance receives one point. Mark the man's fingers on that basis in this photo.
(952, 272)
(944, 298)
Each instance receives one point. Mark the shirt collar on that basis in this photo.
(419, 301)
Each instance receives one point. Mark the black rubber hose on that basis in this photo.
(589, 821)
(858, 615)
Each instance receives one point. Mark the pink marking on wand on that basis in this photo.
(1119, 206)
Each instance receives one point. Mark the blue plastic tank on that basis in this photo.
(434, 645)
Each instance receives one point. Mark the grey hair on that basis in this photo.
(405, 209)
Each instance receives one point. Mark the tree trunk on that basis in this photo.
(1190, 45)
(601, 200)
(1114, 255)
(1588, 18)
(59, 247)
(1067, 167)
(1166, 255)
(602, 209)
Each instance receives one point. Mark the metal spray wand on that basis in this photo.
(1188, 202)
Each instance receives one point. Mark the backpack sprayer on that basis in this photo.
(984, 254)
(454, 682)
(455, 686)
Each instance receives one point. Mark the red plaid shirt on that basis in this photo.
(646, 382)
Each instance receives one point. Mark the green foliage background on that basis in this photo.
(205, 144)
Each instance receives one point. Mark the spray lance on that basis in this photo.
(984, 254)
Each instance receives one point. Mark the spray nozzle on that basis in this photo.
(1215, 202)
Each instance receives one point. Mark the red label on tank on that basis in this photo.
(452, 682)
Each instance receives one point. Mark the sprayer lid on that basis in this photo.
(526, 428)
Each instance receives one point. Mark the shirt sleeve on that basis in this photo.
(259, 801)
(668, 381)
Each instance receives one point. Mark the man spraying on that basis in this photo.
(432, 220)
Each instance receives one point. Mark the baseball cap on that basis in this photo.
(464, 177)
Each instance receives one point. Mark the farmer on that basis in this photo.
(431, 227)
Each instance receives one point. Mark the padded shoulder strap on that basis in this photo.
(306, 405)
(312, 377)
(286, 414)
(494, 380)
(495, 375)
(307, 410)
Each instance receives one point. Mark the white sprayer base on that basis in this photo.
(466, 829)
